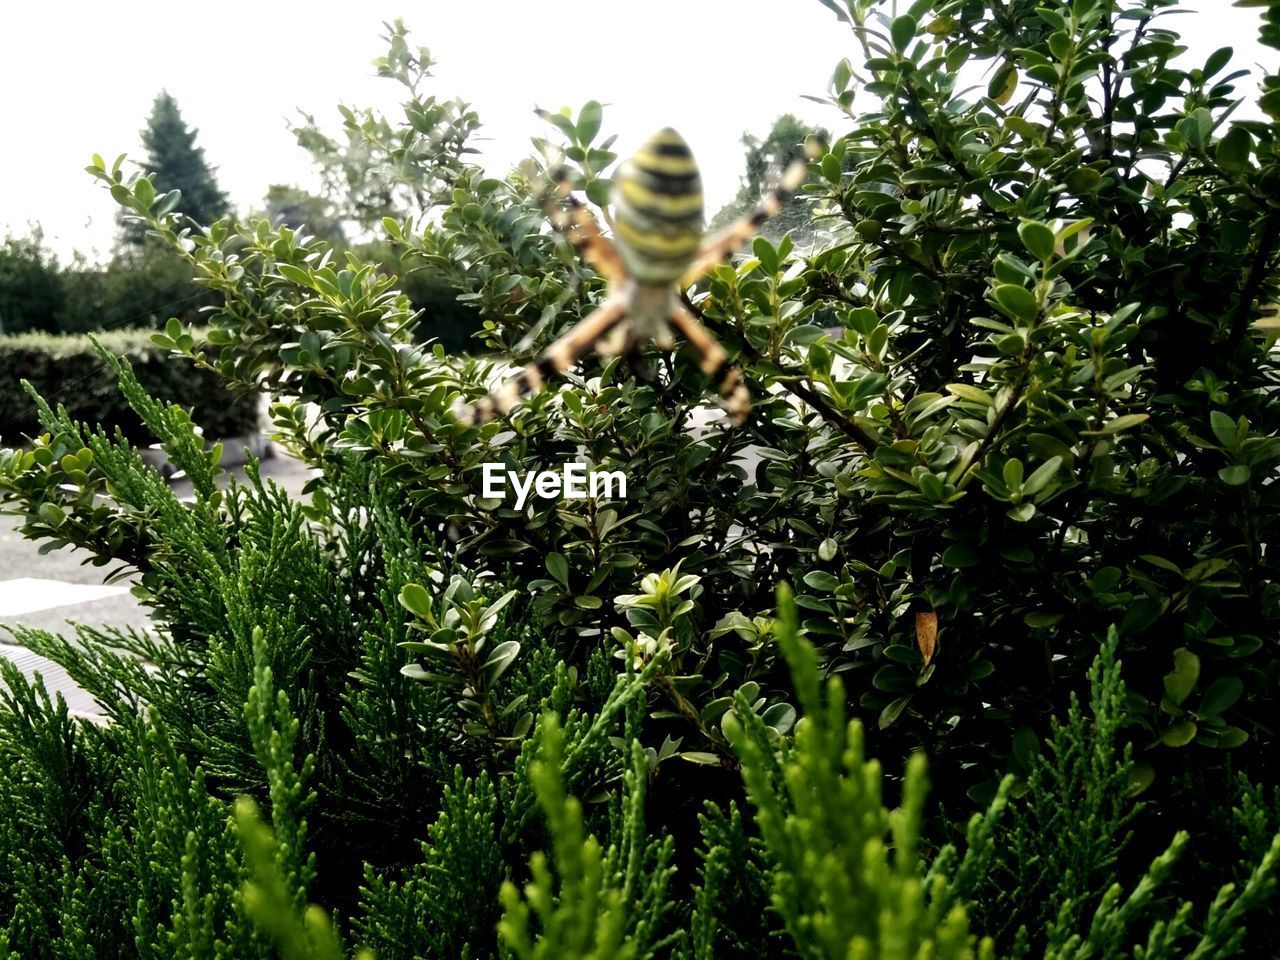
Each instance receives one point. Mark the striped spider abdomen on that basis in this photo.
(657, 210)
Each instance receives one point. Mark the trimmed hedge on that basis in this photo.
(66, 369)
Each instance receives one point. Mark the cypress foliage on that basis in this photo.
(847, 880)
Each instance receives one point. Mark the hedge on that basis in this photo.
(66, 369)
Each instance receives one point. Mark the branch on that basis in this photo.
(1255, 274)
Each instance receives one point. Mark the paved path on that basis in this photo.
(49, 591)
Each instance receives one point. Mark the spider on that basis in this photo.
(657, 251)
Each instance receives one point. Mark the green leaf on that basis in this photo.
(444, 637)
(1038, 239)
(309, 342)
(500, 658)
(589, 119)
(558, 567)
(1234, 150)
(440, 652)
(1224, 428)
(929, 174)
(598, 191)
(1060, 44)
(827, 550)
(1179, 682)
(765, 253)
(295, 275)
(1083, 180)
(836, 8)
(1071, 229)
(1003, 83)
(902, 31)
(1012, 473)
(1018, 302)
(891, 712)
(1217, 60)
(145, 192)
(1228, 738)
(842, 75)
(52, 514)
(1269, 103)
(940, 26)
(415, 598)
(780, 716)
(1039, 619)
(168, 203)
(558, 120)
(1026, 747)
(1118, 424)
(1140, 777)
(1221, 695)
(492, 610)
(1180, 734)
(1041, 477)
(831, 170)
(1235, 475)
(1022, 512)
(700, 757)
(821, 580)
(967, 391)
(960, 555)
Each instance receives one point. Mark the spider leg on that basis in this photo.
(715, 363)
(615, 342)
(735, 236)
(560, 356)
(570, 216)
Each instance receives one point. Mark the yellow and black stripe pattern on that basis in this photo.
(657, 209)
(657, 248)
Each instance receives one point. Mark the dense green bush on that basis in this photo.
(1031, 471)
(68, 370)
(139, 287)
(31, 292)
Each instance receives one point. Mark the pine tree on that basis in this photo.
(174, 162)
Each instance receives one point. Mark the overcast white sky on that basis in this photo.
(78, 78)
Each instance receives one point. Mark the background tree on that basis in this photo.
(765, 158)
(145, 283)
(292, 206)
(174, 162)
(377, 166)
(30, 287)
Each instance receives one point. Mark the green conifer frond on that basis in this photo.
(848, 881)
